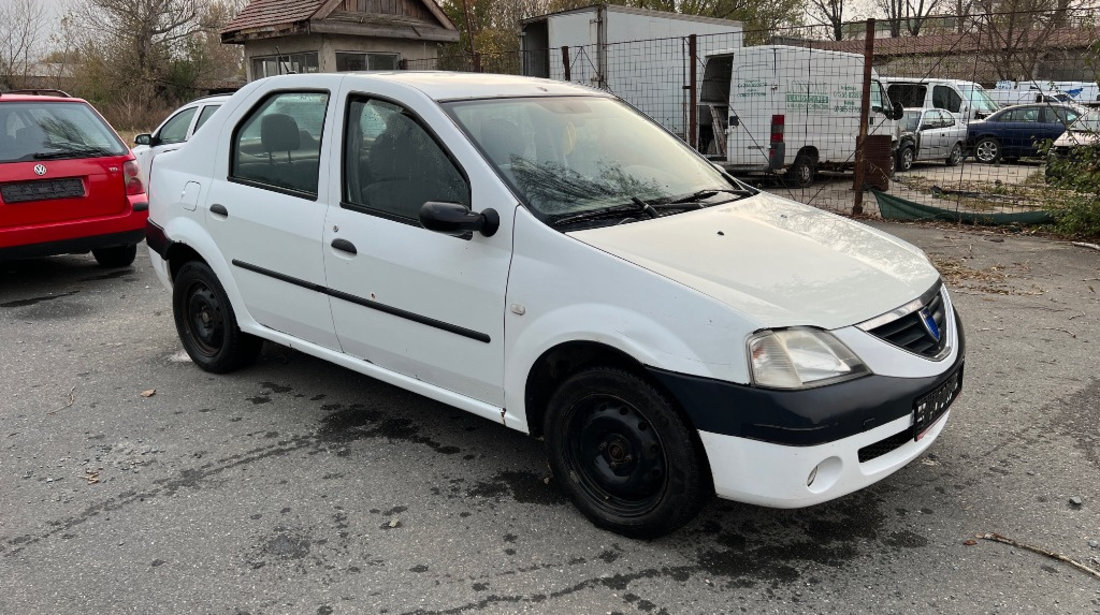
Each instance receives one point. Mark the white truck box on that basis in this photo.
(638, 54)
(779, 107)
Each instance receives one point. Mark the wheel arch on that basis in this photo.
(560, 362)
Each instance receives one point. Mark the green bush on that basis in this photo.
(1079, 171)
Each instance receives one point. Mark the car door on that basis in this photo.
(1021, 130)
(265, 209)
(931, 135)
(1052, 122)
(167, 137)
(425, 305)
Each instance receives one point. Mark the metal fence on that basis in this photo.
(810, 118)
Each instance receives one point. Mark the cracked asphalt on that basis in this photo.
(296, 486)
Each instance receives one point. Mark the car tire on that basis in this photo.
(905, 158)
(955, 157)
(624, 454)
(206, 323)
(116, 256)
(987, 150)
(801, 172)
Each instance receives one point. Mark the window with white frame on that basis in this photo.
(352, 61)
(285, 64)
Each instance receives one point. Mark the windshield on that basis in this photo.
(981, 101)
(1089, 122)
(566, 156)
(54, 130)
(910, 120)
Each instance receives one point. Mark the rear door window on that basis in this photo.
(278, 145)
(204, 115)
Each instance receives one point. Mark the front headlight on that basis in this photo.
(799, 358)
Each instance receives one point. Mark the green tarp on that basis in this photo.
(896, 208)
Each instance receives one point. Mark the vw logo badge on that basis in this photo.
(39, 169)
(930, 324)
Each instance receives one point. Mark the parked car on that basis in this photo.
(1015, 132)
(174, 131)
(68, 183)
(482, 241)
(930, 134)
(966, 99)
(1080, 136)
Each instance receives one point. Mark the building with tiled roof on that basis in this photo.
(302, 36)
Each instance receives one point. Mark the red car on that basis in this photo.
(68, 183)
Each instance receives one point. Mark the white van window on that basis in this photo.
(945, 97)
(908, 94)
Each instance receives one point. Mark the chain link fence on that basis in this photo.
(956, 123)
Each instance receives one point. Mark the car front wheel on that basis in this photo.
(905, 159)
(987, 150)
(206, 323)
(624, 454)
(117, 256)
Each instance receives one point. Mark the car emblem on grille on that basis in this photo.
(39, 169)
(930, 324)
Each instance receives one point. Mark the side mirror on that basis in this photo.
(458, 220)
(898, 111)
(143, 139)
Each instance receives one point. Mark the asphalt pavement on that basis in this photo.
(133, 482)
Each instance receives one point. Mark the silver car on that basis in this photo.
(930, 134)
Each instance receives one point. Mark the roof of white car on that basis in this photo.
(441, 85)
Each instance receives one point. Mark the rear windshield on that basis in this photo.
(54, 131)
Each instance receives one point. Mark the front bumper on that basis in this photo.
(789, 449)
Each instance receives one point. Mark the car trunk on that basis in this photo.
(88, 188)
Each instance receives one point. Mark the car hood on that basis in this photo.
(775, 261)
(1072, 138)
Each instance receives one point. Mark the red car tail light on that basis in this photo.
(131, 176)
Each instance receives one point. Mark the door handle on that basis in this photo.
(344, 245)
(219, 210)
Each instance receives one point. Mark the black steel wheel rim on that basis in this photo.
(616, 457)
(204, 319)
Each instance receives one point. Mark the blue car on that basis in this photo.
(1014, 132)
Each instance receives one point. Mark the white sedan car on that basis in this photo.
(544, 256)
(173, 131)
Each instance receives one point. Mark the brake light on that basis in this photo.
(131, 176)
(777, 128)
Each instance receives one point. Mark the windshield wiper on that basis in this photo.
(636, 205)
(706, 193)
(76, 151)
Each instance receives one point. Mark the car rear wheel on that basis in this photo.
(624, 454)
(801, 172)
(206, 323)
(956, 155)
(987, 150)
(117, 256)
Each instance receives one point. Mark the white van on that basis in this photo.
(965, 99)
(1010, 92)
(771, 108)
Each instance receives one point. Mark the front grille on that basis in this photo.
(42, 190)
(911, 333)
(886, 445)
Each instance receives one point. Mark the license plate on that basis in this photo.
(928, 408)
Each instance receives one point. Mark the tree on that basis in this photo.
(829, 13)
(1014, 33)
(22, 24)
(906, 14)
